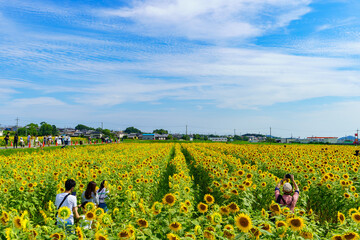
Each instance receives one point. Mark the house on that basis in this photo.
(133, 136)
(120, 134)
(148, 136)
(161, 136)
(218, 139)
(323, 139)
(96, 134)
(288, 140)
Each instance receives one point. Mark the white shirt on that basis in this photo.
(69, 202)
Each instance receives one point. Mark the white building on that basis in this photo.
(218, 139)
(323, 139)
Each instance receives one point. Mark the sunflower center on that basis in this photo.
(350, 236)
(244, 222)
(296, 222)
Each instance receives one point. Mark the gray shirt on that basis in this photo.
(94, 198)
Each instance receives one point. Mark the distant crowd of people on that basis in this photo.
(34, 141)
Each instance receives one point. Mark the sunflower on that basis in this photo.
(175, 226)
(184, 208)
(235, 192)
(346, 195)
(21, 189)
(171, 236)
(90, 216)
(187, 189)
(106, 220)
(263, 184)
(188, 203)
(202, 207)
(296, 223)
(209, 199)
(142, 223)
(124, 234)
(224, 210)
(280, 224)
(266, 227)
(56, 236)
(243, 222)
(90, 206)
(216, 218)
(17, 222)
(169, 199)
(264, 213)
(306, 235)
(255, 232)
(275, 208)
(197, 230)
(229, 227)
(64, 213)
(79, 233)
(233, 207)
(337, 237)
(33, 234)
(355, 217)
(351, 236)
(156, 208)
(228, 234)
(100, 236)
(341, 217)
(99, 212)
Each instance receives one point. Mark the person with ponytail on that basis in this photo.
(102, 192)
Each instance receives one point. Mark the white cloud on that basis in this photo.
(210, 19)
(42, 101)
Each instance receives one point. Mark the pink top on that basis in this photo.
(290, 201)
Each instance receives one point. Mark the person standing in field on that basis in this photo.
(66, 199)
(16, 139)
(102, 192)
(90, 195)
(286, 199)
(28, 138)
(7, 138)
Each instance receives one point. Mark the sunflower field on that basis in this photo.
(183, 191)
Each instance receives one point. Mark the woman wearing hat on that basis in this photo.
(286, 199)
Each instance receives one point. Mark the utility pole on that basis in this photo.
(17, 123)
(102, 125)
(234, 132)
(186, 130)
(270, 135)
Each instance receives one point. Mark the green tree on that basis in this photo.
(169, 137)
(55, 131)
(31, 129)
(83, 127)
(160, 131)
(45, 129)
(132, 130)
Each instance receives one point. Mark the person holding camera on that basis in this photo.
(286, 199)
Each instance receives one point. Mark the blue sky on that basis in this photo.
(214, 65)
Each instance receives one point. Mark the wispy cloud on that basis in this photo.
(214, 19)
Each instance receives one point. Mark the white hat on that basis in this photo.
(287, 187)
